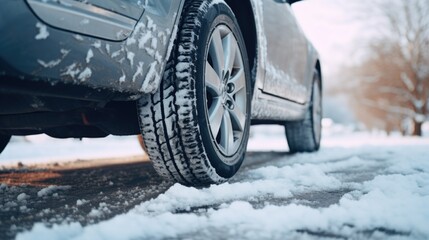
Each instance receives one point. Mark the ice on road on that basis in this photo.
(375, 187)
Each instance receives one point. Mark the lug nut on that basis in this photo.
(230, 104)
(230, 88)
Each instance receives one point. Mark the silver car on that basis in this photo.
(199, 71)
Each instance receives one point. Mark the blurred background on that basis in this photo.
(375, 59)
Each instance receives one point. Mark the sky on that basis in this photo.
(331, 28)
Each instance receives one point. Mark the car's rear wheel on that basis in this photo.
(305, 135)
(196, 126)
(4, 140)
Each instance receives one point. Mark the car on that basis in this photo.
(190, 76)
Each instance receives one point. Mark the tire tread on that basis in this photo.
(173, 137)
(300, 135)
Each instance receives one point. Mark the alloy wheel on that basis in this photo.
(225, 86)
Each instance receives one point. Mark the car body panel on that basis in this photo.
(276, 97)
(285, 53)
(46, 53)
(84, 19)
(125, 69)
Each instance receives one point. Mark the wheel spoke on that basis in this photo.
(213, 82)
(239, 81)
(227, 133)
(216, 113)
(238, 117)
(230, 50)
(217, 53)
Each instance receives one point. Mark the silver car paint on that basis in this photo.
(274, 97)
(84, 18)
(142, 55)
(282, 83)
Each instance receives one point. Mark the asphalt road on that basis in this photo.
(90, 194)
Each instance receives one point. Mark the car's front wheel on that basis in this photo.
(196, 126)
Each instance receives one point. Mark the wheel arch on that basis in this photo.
(244, 14)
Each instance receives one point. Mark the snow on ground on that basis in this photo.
(51, 190)
(385, 181)
(43, 149)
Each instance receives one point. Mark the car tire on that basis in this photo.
(196, 126)
(4, 140)
(305, 135)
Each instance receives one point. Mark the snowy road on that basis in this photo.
(358, 186)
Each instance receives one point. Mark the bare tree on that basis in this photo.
(394, 76)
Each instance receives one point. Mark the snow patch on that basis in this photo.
(81, 202)
(89, 55)
(144, 39)
(151, 24)
(122, 78)
(116, 53)
(43, 31)
(214, 2)
(21, 197)
(97, 44)
(139, 71)
(85, 74)
(100, 211)
(71, 70)
(154, 43)
(108, 48)
(130, 57)
(95, 213)
(11, 204)
(56, 62)
(49, 64)
(51, 190)
(78, 37)
(152, 79)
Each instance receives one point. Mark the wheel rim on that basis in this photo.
(317, 112)
(225, 86)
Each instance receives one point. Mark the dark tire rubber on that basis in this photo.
(4, 140)
(173, 120)
(302, 135)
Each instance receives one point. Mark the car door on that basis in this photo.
(287, 52)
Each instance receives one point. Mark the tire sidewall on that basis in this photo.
(316, 137)
(216, 15)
